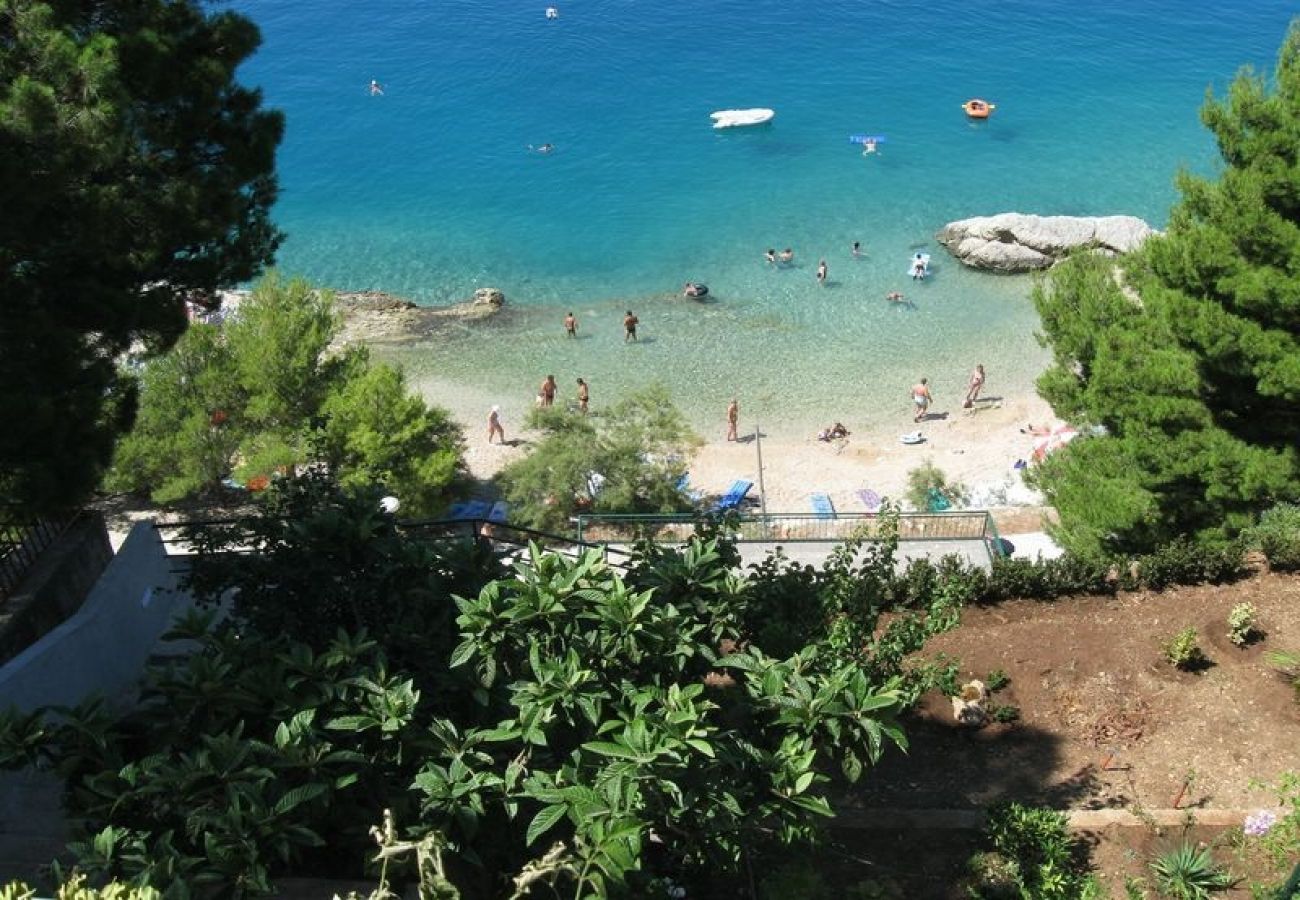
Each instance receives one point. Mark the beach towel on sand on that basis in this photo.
(871, 500)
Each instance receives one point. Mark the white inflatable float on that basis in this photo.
(736, 118)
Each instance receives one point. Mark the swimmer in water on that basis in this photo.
(376, 89)
(868, 146)
(552, 12)
(542, 148)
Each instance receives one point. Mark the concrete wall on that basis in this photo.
(56, 586)
(104, 646)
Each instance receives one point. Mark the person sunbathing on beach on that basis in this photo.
(1037, 430)
(834, 433)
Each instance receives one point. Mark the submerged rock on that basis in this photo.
(1016, 242)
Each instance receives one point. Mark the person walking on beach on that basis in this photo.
(571, 325)
(547, 391)
(629, 327)
(821, 273)
(921, 398)
(494, 425)
(733, 418)
(975, 386)
(583, 395)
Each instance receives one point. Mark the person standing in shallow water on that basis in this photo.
(976, 385)
(547, 391)
(733, 418)
(494, 425)
(921, 399)
(629, 327)
(821, 273)
(583, 395)
(571, 325)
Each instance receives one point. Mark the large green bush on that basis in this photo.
(263, 394)
(628, 458)
(1278, 536)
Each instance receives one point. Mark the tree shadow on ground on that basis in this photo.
(914, 818)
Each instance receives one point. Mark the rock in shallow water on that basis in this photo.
(1016, 242)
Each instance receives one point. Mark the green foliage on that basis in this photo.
(1183, 562)
(1183, 649)
(1004, 713)
(1033, 857)
(74, 888)
(263, 391)
(928, 488)
(137, 172)
(996, 680)
(1186, 873)
(1194, 376)
(319, 559)
(375, 432)
(571, 706)
(637, 447)
(1281, 843)
(1278, 536)
(1241, 624)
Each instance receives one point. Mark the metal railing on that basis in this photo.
(500, 534)
(21, 545)
(969, 525)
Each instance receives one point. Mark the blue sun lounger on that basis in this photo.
(822, 506)
(734, 495)
(470, 509)
(499, 511)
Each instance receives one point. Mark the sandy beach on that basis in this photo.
(975, 447)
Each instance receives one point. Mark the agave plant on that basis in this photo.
(1188, 873)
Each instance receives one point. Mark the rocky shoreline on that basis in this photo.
(373, 317)
(1016, 242)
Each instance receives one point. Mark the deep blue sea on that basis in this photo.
(429, 191)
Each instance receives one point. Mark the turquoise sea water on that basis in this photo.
(429, 191)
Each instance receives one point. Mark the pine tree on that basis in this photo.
(1189, 354)
(135, 172)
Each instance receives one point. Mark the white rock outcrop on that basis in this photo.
(1016, 242)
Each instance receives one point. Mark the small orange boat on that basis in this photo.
(978, 109)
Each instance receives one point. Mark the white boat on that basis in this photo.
(734, 118)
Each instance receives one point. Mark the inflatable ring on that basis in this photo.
(978, 109)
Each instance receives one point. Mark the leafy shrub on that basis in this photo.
(1183, 649)
(928, 488)
(1186, 873)
(1185, 562)
(1037, 851)
(996, 680)
(1278, 536)
(637, 447)
(1047, 579)
(1005, 713)
(1241, 624)
(75, 889)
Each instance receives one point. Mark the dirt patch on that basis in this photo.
(1105, 721)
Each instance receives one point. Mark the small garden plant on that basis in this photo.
(1241, 624)
(1188, 873)
(1183, 650)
